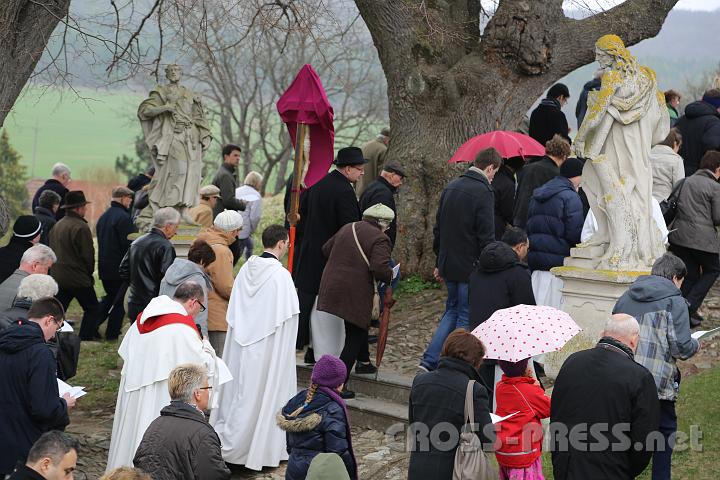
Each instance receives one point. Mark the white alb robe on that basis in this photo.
(148, 360)
(260, 353)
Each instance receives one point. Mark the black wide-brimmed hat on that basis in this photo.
(75, 199)
(349, 156)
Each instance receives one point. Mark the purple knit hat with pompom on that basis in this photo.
(329, 372)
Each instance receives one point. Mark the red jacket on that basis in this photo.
(520, 436)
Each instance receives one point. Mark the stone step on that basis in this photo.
(376, 413)
(388, 385)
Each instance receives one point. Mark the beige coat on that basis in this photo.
(667, 170)
(374, 151)
(221, 275)
(202, 214)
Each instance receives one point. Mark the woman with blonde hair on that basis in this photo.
(126, 473)
(250, 194)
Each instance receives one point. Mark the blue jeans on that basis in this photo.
(668, 427)
(455, 316)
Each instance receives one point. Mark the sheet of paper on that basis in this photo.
(704, 333)
(66, 327)
(396, 271)
(497, 418)
(75, 392)
(224, 374)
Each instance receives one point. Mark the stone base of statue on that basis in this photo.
(184, 237)
(588, 295)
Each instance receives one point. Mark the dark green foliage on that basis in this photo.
(12, 177)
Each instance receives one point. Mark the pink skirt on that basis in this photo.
(533, 472)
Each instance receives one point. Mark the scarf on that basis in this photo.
(610, 343)
(154, 323)
(550, 102)
(338, 399)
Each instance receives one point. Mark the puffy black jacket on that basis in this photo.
(319, 428)
(503, 185)
(380, 191)
(10, 256)
(499, 280)
(700, 129)
(548, 120)
(47, 220)
(30, 403)
(581, 106)
(436, 399)
(113, 228)
(555, 221)
(55, 186)
(464, 224)
(181, 445)
(535, 174)
(145, 264)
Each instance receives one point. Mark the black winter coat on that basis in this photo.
(554, 225)
(113, 228)
(548, 120)
(226, 181)
(30, 403)
(55, 186)
(144, 266)
(498, 281)
(320, 428)
(437, 398)
(503, 185)
(464, 225)
(380, 191)
(324, 208)
(47, 220)
(700, 129)
(581, 106)
(534, 175)
(10, 256)
(181, 445)
(603, 385)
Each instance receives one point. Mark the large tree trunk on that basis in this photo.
(447, 83)
(25, 29)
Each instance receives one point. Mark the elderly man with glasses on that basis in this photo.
(29, 392)
(164, 336)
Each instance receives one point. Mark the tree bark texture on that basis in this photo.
(25, 29)
(4, 217)
(448, 82)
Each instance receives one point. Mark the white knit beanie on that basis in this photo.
(229, 220)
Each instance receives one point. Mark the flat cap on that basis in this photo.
(209, 191)
(380, 212)
(119, 192)
(394, 167)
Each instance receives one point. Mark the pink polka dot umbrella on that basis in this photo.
(524, 331)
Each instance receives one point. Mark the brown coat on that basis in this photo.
(346, 288)
(202, 214)
(221, 275)
(72, 242)
(374, 151)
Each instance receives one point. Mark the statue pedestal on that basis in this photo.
(184, 237)
(589, 296)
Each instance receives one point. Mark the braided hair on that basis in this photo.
(308, 398)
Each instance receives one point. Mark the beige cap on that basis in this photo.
(209, 191)
(119, 192)
(380, 212)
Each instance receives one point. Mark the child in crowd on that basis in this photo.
(520, 436)
(316, 420)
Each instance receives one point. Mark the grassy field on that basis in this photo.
(56, 125)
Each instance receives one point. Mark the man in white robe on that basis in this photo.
(165, 336)
(260, 353)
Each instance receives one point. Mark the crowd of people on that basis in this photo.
(208, 376)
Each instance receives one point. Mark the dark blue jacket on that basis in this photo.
(464, 224)
(555, 221)
(320, 428)
(113, 228)
(29, 400)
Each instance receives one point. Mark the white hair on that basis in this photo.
(166, 216)
(39, 253)
(621, 326)
(37, 286)
(60, 169)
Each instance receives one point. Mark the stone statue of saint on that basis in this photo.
(177, 134)
(625, 118)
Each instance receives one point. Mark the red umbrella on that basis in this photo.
(509, 144)
(303, 106)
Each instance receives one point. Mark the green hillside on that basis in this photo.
(84, 133)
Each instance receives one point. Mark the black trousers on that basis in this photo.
(88, 301)
(112, 308)
(703, 269)
(355, 342)
(134, 310)
(307, 300)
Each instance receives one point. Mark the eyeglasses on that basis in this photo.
(205, 388)
(56, 322)
(358, 168)
(202, 307)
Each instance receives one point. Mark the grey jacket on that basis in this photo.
(180, 272)
(698, 213)
(9, 288)
(667, 170)
(662, 312)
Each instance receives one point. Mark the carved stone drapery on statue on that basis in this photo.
(177, 134)
(625, 118)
